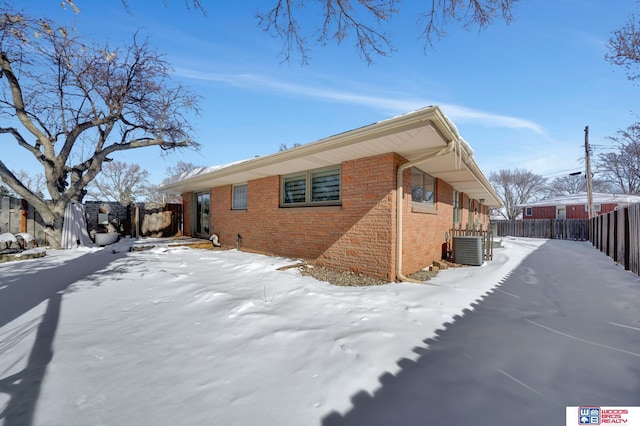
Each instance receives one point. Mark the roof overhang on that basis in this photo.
(410, 135)
(582, 199)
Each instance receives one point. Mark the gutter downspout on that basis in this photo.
(399, 199)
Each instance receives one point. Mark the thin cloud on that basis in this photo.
(396, 106)
(460, 113)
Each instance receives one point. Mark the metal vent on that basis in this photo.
(468, 250)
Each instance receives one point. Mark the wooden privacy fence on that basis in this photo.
(16, 215)
(617, 234)
(557, 229)
(487, 239)
(157, 220)
(138, 219)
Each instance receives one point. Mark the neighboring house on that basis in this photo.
(377, 200)
(575, 206)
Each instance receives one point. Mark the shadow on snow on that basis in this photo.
(494, 366)
(20, 294)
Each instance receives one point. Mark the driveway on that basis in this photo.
(563, 329)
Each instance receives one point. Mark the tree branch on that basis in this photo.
(6, 70)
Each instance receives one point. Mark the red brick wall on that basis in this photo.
(355, 236)
(424, 233)
(543, 212)
(358, 236)
(187, 201)
(577, 211)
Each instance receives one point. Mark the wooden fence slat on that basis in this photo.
(617, 234)
(161, 220)
(634, 238)
(620, 234)
(574, 229)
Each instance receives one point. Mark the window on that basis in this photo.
(457, 206)
(239, 199)
(528, 211)
(324, 188)
(294, 189)
(422, 187)
(325, 185)
(596, 208)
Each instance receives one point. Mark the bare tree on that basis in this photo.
(71, 106)
(155, 196)
(576, 184)
(624, 47)
(567, 185)
(36, 183)
(516, 187)
(179, 168)
(284, 147)
(195, 4)
(364, 21)
(121, 182)
(622, 167)
(5, 192)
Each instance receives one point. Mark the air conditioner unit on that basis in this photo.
(468, 250)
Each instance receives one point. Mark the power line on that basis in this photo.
(563, 172)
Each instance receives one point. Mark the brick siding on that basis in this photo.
(187, 212)
(358, 235)
(355, 236)
(576, 211)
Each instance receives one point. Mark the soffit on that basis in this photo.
(410, 136)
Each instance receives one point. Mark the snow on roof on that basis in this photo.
(200, 171)
(582, 198)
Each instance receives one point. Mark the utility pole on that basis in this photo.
(587, 156)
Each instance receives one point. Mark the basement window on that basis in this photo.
(311, 188)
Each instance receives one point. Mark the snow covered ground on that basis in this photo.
(172, 335)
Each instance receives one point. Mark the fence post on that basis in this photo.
(627, 238)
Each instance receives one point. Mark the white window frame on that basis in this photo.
(234, 204)
(422, 205)
(528, 211)
(307, 177)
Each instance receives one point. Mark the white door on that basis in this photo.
(561, 213)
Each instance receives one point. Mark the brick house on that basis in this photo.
(376, 200)
(575, 206)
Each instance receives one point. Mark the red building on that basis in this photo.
(378, 200)
(575, 206)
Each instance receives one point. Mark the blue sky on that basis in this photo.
(520, 94)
